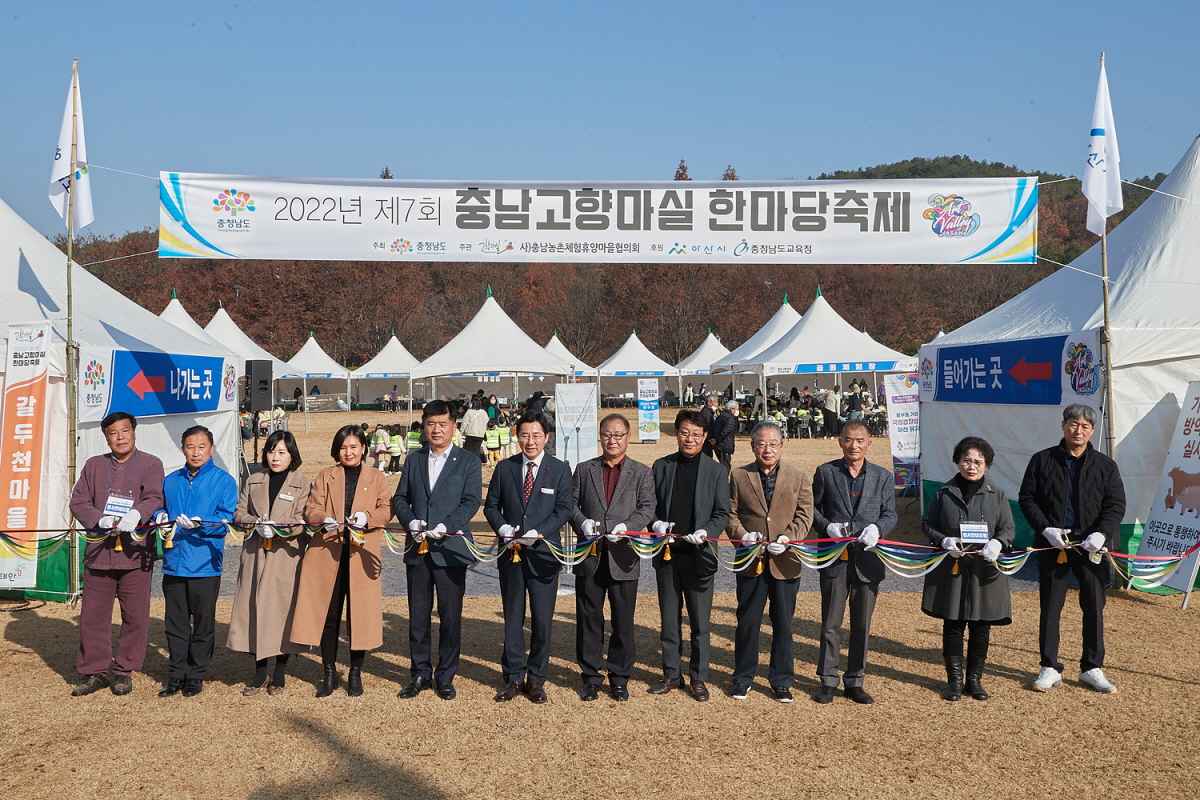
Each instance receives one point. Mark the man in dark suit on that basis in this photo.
(708, 415)
(613, 495)
(439, 492)
(722, 433)
(530, 495)
(692, 494)
(851, 497)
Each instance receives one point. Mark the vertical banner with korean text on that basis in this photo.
(647, 409)
(904, 429)
(575, 436)
(22, 446)
(1173, 524)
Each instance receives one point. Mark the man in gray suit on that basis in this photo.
(851, 497)
(692, 493)
(613, 495)
(439, 491)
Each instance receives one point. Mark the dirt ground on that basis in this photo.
(1145, 740)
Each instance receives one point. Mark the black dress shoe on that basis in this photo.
(172, 688)
(447, 692)
(824, 695)
(589, 693)
(329, 681)
(700, 691)
(122, 685)
(663, 687)
(536, 693)
(354, 682)
(507, 693)
(415, 687)
(782, 694)
(193, 688)
(619, 692)
(859, 695)
(93, 683)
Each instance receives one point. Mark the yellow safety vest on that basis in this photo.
(414, 440)
(396, 445)
(504, 434)
(492, 437)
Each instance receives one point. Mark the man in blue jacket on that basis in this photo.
(529, 499)
(438, 494)
(201, 498)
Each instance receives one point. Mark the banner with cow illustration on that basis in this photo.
(903, 221)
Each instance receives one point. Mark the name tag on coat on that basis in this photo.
(547, 491)
(288, 497)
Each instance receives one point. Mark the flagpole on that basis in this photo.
(1110, 434)
(72, 410)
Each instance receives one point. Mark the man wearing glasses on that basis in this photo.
(1075, 498)
(692, 494)
(613, 495)
(771, 502)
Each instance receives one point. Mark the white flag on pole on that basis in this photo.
(1102, 173)
(60, 170)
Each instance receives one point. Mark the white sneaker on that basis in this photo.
(1047, 679)
(1094, 679)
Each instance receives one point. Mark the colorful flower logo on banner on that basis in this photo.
(93, 374)
(951, 215)
(233, 202)
(1081, 367)
(400, 246)
(229, 382)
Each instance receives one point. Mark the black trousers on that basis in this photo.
(190, 622)
(673, 594)
(333, 617)
(753, 591)
(516, 582)
(840, 584)
(726, 459)
(590, 592)
(977, 645)
(1053, 581)
(449, 584)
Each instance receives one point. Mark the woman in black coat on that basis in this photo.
(968, 592)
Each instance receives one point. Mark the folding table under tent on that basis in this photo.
(779, 324)
(312, 362)
(130, 360)
(633, 360)
(393, 362)
(1155, 353)
(700, 361)
(556, 348)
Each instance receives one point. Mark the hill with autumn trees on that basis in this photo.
(354, 306)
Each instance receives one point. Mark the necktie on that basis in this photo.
(527, 488)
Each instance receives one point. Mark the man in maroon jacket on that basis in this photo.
(116, 494)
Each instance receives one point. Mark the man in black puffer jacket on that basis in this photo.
(1073, 497)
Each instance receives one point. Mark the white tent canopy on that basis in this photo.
(779, 324)
(700, 361)
(311, 361)
(224, 330)
(178, 316)
(556, 348)
(491, 343)
(822, 342)
(634, 360)
(1155, 346)
(393, 361)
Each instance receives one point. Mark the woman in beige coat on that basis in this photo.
(269, 567)
(342, 565)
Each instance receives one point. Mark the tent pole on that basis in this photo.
(72, 378)
(681, 388)
(304, 399)
(1110, 434)
(410, 399)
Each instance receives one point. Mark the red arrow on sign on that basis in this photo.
(143, 384)
(1024, 371)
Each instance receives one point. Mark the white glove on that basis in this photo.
(778, 547)
(108, 522)
(184, 521)
(330, 524)
(416, 525)
(161, 518)
(697, 538)
(953, 546)
(265, 529)
(1057, 537)
(438, 532)
(837, 530)
(751, 538)
(869, 536)
(129, 520)
(358, 519)
(1094, 542)
(660, 527)
(991, 551)
(615, 534)
(589, 528)
(506, 532)
(530, 538)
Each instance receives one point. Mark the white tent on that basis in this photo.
(311, 361)
(35, 289)
(223, 329)
(1155, 348)
(700, 361)
(634, 360)
(391, 363)
(779, 324)
(178, 316)
(556, 348)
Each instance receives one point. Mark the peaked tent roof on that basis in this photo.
(556, 348)
(36, 288)
(634, 359)
(823, 342)
(178, 316)
(779, 324)
(701, 359)
(313, 362)
(491, 342)
(393, 361)
(224, 330)
(1152, 274)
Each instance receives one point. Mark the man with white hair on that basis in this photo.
(1073, 496)
(722, 435)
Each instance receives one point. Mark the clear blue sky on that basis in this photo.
(611, 90)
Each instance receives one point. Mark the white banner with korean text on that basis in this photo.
(918, 221)
(904, 428)
(576, 435)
